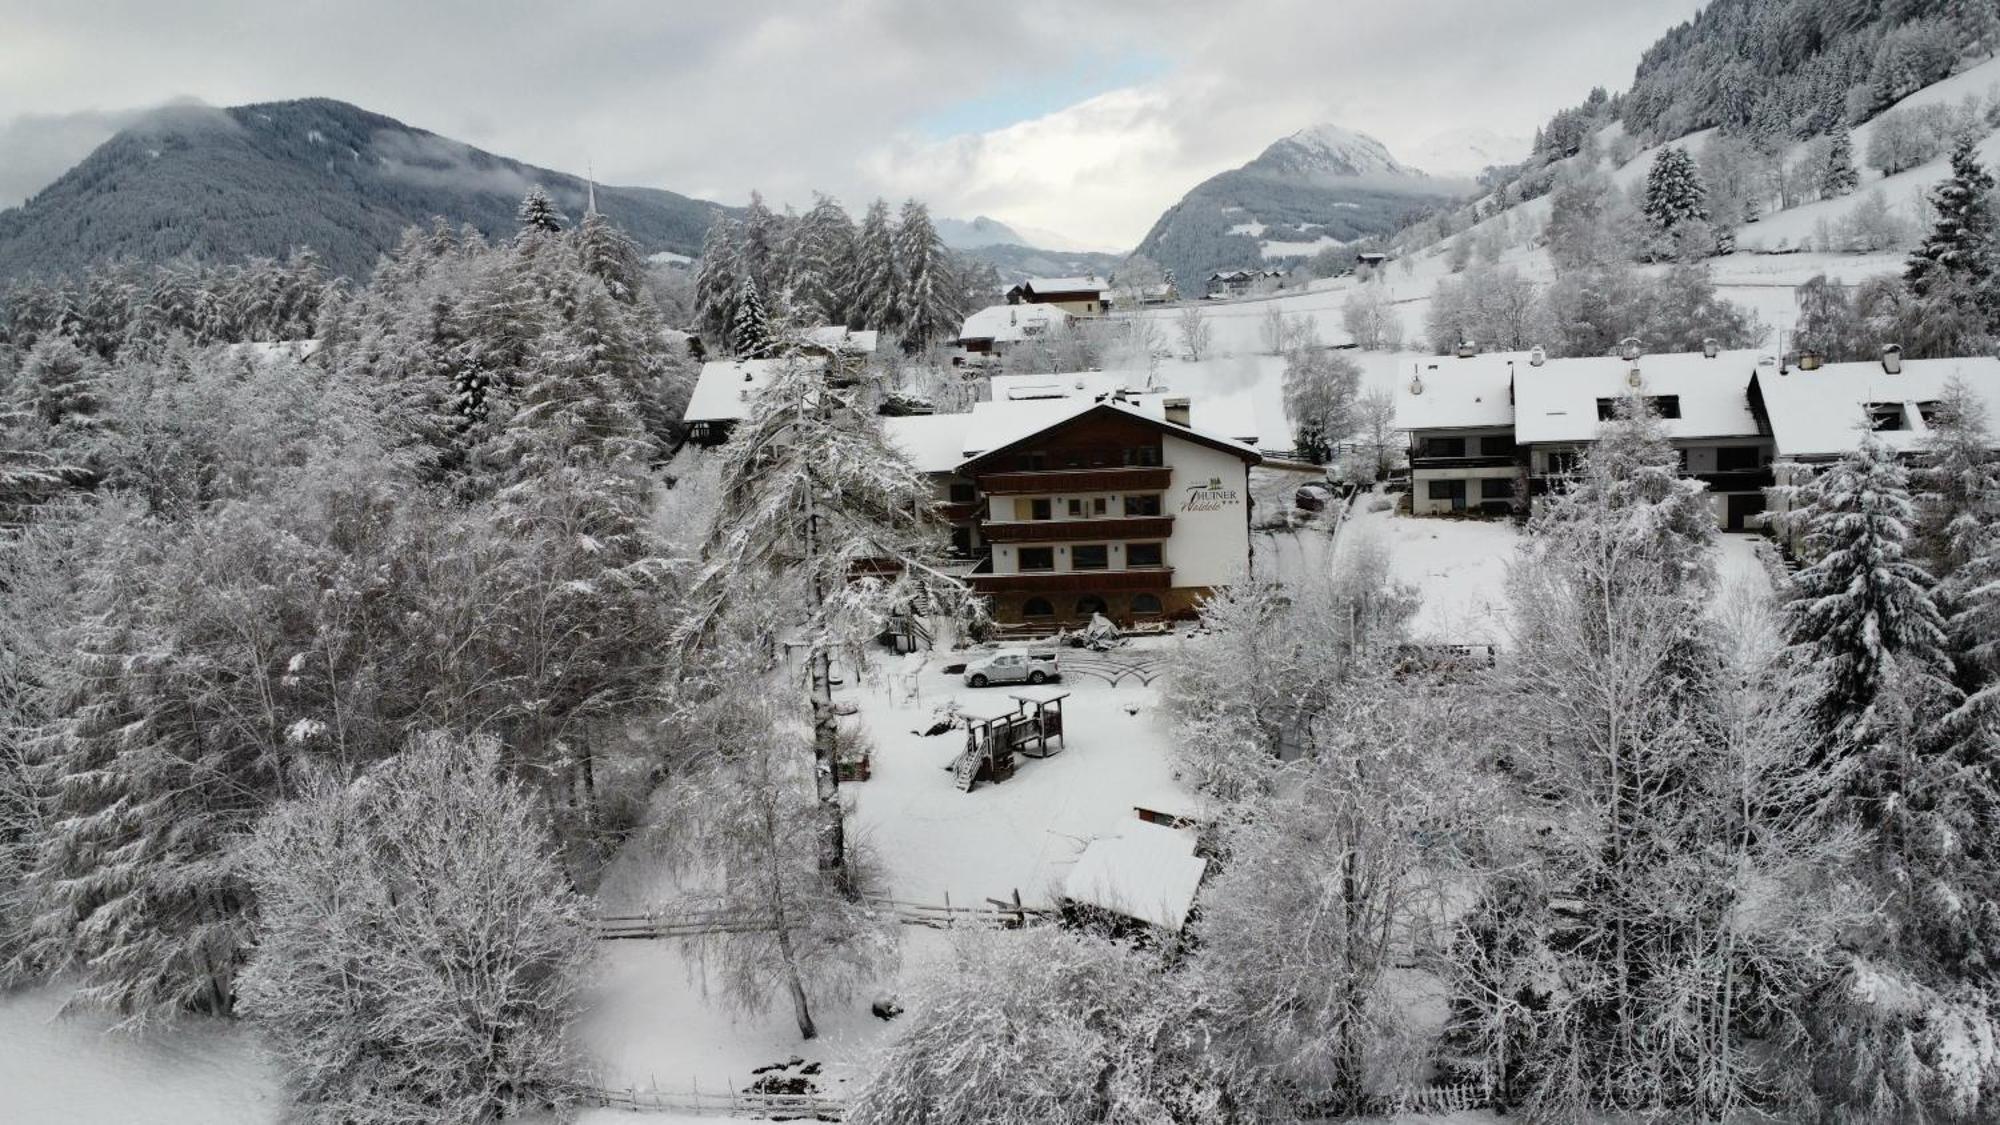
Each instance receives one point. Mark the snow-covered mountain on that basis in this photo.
(972, 234)
(1324, 185)
(1328, 150)
(1465, 152)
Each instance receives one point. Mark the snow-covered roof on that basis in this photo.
(1448, 393)
(1089, 283)
(1558, 401)
(939, 443)
(726, 386)
(934, 443)
(1010, 322)
(840, 338)
(1147, 871)
(1221, 415)
(1821, 413)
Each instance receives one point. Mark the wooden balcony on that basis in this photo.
(1157, 578)
(1496, 461)
(1077, 531)
(961, 511)
(1065, 481)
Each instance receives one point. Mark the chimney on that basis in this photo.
(1467, 349)
(1177, 411)
(1892, 359)
(1710, 348)
(1628, 348)
(1537, 357)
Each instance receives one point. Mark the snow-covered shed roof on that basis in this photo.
(726, 386)
(1449, 393)
(1147, 871)
(841, 338)
(934, 443)
(1558, 401)
(1006, 323)
(1821, 413)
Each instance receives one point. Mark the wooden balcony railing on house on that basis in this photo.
(1156, 578)
(1737, 480)
(1062, 481)
(961, 511)
(1077, 531)
(1494, 461)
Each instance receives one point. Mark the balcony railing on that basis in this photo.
(960, 511)
(1075, 581)
(1737, 480)
(1060, 481)
(1496, 461)
(1078, 530)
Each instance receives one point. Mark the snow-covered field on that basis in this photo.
(76, 1071)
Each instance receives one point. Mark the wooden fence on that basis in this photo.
(726, 1103)
(697, 921)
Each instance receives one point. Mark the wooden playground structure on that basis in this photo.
(1034, 728)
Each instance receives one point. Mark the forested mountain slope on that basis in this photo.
(223, 184)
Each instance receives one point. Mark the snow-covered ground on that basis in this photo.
(652, 1025)
(1459, 567)
(76, 1071)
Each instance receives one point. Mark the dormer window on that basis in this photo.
(1886, 416)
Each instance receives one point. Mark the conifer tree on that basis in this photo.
(605, 253)
(717, 276)
(1675, 193)
(1956, 261)
(538, 213)
(823, 262)
(877, 283)
(1839, 176)
(749, 328)
(928, 307)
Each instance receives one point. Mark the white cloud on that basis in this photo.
(717, 99)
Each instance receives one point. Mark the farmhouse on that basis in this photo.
(1078, 296)
(1067, 507)
(996, 328)
(723, 393)
(1239, 283)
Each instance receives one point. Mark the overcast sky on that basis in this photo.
(1085, 118)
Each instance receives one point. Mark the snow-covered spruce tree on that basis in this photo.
(1049, 1027)
(717, 276)
(1958, 482)
(877, 286)
(607, 254)
(420, 950)
(1320, 387)
(741, 826)
(1960, 247)
(817, 505)
(1675, 199)
(1327, 883)
(763, 240)
(928, 309)
(822, 262)
(1862, 612)
(538, 213)
(749, 327)
(1838, 176)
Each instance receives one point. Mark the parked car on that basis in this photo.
(1013, 667)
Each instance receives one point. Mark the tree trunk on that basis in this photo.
(826, 776)
(800, 1009)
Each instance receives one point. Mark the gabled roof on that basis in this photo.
(726, 386)
(1558, 401)
(1822, 413)
(1089, 283)
(1002, 427)
(840, 338)
(934, 443)
(1006, 323)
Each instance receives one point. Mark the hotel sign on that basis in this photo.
(1213, 496)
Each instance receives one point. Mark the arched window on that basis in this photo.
(1146, 603)
(1089, 604)
(1037, 607)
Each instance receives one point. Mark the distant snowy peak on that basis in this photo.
(1329, 150)
(1465, 152)
(971, 234)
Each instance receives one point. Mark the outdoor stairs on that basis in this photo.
(965, 771)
